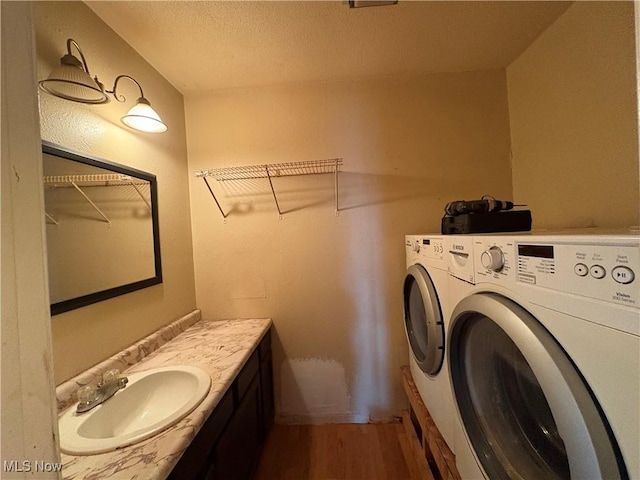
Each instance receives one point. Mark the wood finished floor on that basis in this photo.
(337, 452)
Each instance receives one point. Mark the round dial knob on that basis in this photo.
(492, 259)
(416, 247)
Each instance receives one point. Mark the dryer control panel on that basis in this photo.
(431, 247)
(424, 247)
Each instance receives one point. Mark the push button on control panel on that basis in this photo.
(623, 274)
(597, 271)
(581, 269)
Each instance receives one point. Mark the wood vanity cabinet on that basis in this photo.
(229, 444)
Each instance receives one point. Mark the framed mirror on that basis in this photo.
(102, 228)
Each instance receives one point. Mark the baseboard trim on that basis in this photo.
(321, 419)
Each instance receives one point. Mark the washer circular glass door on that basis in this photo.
(423, 320)
(526, 409)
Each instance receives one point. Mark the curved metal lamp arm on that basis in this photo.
(71, 41)
(122, 98)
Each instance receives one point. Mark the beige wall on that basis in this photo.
(332, 284)
(86, 336)
(574, 126)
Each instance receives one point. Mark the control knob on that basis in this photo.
(416, 247)
(492, 259)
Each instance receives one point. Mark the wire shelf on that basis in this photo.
(312, 167)
(270, 171)
(91, 180)
(94, 180)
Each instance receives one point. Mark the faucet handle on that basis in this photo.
(110, 376)
(87, 394)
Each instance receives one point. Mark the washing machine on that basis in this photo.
(460, 282)
(426, 316)
(544, 355)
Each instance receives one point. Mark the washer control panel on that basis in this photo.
(601, 271)
(494, 259)
(460, 257)
(605, 272)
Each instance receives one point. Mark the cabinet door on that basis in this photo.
(266, 384)
(238, 449)
(195, 459)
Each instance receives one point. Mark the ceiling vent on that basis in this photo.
(371, 3)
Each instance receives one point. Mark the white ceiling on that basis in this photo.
(209, 45)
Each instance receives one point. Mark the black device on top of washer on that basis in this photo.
(493, 222)
(486, 215)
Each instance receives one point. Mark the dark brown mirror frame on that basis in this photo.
(91, 298)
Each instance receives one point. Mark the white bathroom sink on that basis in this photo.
(152, 401)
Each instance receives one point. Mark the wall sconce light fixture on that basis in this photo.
(72, 81)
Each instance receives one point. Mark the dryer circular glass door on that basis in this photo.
(526, 409)
(423, 320)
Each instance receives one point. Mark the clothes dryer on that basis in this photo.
(544, 352)
(426, 316)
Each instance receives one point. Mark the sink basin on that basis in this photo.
(152, 401)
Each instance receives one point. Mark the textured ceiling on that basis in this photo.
(209, 45)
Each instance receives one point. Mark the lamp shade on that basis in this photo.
(71, 82)
(144, 118)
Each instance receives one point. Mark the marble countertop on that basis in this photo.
(221, 348)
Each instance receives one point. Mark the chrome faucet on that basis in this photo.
(91, 395)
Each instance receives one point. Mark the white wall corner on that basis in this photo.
(29, 428)
(636, 9)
